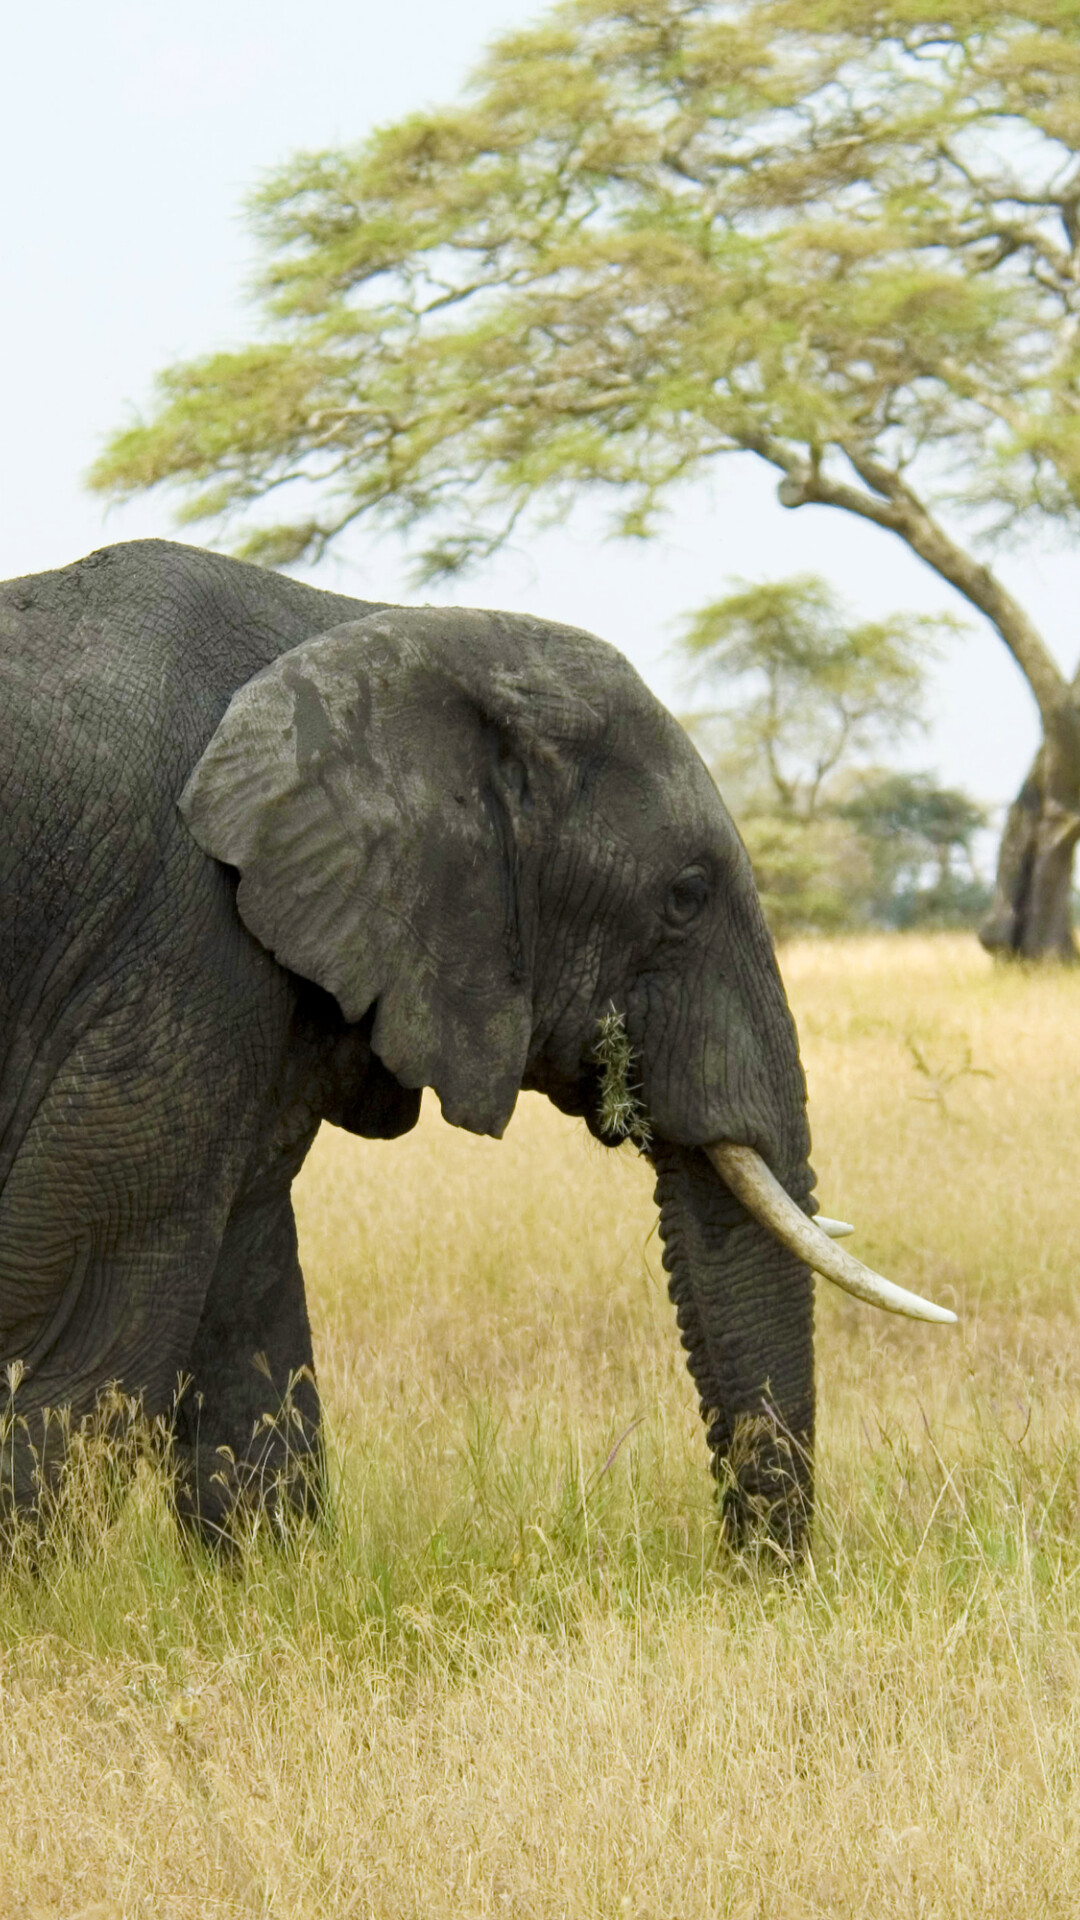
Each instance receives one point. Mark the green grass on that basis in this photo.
(515, 1671)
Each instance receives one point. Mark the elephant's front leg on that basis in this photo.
(247, 1427)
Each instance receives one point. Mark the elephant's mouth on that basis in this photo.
(745, 1173)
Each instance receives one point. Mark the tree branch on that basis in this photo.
(891, 504)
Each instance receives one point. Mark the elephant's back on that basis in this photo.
(114, 673)
(151, 632)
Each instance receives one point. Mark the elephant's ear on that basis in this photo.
(373, 788)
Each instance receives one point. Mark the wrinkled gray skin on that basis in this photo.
(419, 848)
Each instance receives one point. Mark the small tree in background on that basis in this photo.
(812, 690)
(807, 695)
(921, 843)
(813, 876)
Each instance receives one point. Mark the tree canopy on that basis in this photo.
(845, 238)
(805, 697)
(807, 689)
(920, 841)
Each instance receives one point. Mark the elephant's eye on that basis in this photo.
(687, 897)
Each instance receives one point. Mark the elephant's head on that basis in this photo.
(485, 833)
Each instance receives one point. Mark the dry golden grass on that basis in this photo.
(514, 1676)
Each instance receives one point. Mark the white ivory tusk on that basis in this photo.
(750, 1180)
(836, 1229)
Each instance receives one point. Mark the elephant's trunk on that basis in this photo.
(745, 1309)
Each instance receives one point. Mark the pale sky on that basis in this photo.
(130, 134)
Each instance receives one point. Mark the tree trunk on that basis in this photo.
(1030, 918)
(1031, 915)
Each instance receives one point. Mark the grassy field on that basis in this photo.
(515, 1676)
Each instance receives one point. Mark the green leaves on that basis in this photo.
(842, 237)
(804, 695)
(621, 1114)
(804, 689)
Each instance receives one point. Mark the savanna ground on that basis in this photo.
(516, 1674)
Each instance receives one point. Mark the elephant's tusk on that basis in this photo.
(836, 1229)
(750, 1180)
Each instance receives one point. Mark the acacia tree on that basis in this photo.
(910, 823)
(807, 689)
(842, 236)
(807, 697)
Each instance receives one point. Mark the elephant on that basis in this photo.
(273, 856)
